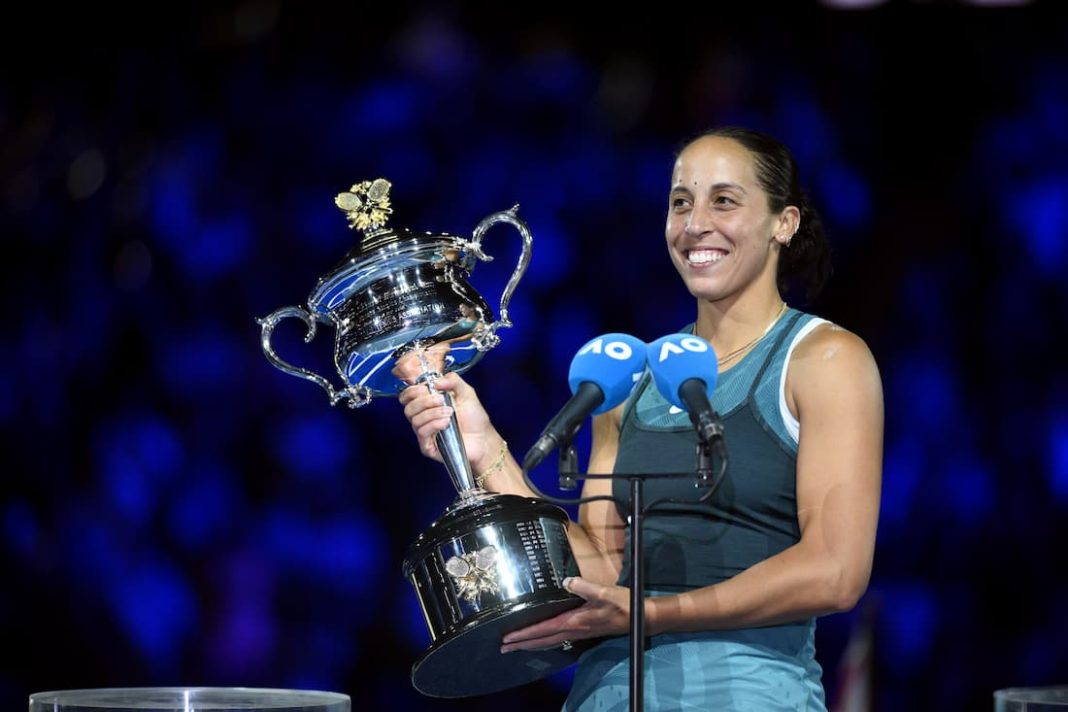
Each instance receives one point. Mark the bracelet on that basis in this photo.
(496, 465)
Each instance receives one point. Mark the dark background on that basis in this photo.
(177, 512)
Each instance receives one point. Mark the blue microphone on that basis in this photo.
(602, 375)
(684, 368)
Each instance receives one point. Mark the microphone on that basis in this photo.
(684, 368)
(602, 374)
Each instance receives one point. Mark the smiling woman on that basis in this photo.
(735, 581)
(745, 176)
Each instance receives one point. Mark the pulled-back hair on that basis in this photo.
(807, 259)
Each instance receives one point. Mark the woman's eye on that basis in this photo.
(679, 203)
(725, 201)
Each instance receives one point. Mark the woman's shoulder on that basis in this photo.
(829, 352)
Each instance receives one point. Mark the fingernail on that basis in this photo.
(567, 583)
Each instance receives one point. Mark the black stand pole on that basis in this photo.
(568, 474)
(637, 599)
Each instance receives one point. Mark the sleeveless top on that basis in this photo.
(752, 515)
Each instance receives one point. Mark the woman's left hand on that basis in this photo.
(606, 612)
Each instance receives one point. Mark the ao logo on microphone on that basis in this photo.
(689, 343)
(618, 350)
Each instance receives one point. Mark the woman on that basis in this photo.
(736, 582)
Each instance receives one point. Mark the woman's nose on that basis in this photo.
(698, 222)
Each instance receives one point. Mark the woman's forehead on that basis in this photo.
(712, 160)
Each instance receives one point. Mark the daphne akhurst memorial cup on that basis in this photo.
(491, 563)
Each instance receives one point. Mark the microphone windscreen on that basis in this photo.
(612, 362)
(675, 359)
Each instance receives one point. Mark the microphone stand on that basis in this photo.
(568, 469)
(637, 598)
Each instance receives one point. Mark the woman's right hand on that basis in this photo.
(425, 409)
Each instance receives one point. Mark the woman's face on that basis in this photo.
(720, 232)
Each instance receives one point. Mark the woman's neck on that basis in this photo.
(734, 324)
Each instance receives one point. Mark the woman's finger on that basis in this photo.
(558, 624)
(419, 411)
(546, 643)
(450, 382)
(542, 636)
(411, 393)
(586, 589)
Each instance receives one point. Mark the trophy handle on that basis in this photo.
(358, 396)
(485, 336)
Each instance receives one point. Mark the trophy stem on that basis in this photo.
(449, 442)
(454, 455)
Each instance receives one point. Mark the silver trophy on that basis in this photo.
(491, 563)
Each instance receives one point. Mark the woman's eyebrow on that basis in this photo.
(729, 186)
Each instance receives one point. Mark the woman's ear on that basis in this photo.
(789, 223)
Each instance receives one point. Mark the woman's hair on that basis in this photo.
(807, 259)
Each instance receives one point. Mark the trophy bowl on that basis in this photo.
(492, 563)
(395, 292)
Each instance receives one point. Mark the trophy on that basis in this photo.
(491, 563)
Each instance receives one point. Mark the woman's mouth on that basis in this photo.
(704, 256)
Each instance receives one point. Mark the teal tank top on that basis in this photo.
(752, 514)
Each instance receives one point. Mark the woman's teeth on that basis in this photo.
(702, 257)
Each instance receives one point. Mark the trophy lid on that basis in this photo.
(382, 249)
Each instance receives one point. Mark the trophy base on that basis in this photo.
(490, 565)
(485, 669)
